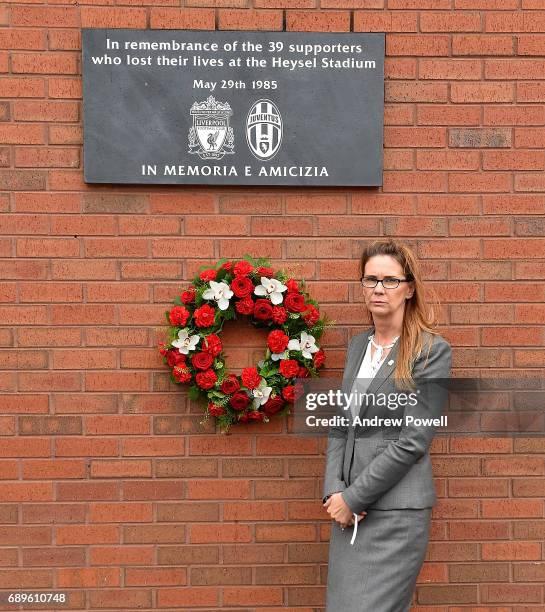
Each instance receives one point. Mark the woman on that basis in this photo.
(379, 481)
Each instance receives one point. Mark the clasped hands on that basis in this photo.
(339, 510)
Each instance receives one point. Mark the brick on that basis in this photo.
(414, 137)
(249, 19)
(512, 204)
(65, 88)
(530, 138)
(435, 114)
(65, 134)
(529, 182)
(313, 21)
(479, 530)
(487, 4)
(484, 92)
(186, 18)
(413, 181)
(514, 69)
(484, 182)
(398, 114)
(98, 17)
(511, 508)
(505, 593)
(44, 63)
(385, 21)
(447, 160)
(400, 68)
(22, 87)
(83, 225)
(415, 92)
(516, 21)
(22, 38)
(476, 44)
(450, 22)
(419, 45)
(451, 594)
(45, 111)
(22, 133)
(51, 292)
(47, 247)
(451, 69)
(518, 249)
(65, 40)
(516, 115)
(419, 4)
(48, 157)
(513, 160)
(530, 92)
(41, 16)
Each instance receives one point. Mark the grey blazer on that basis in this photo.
(387, 468)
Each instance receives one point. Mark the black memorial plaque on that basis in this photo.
(233, 108)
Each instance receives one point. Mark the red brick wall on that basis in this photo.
(108, 488)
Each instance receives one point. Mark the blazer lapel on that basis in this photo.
(384, 372)
(353, 367)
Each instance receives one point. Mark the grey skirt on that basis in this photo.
(379, 571)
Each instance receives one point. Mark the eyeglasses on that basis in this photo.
(370, 282)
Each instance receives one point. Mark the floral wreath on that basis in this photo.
(271, 299)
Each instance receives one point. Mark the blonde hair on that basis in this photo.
(419, 316)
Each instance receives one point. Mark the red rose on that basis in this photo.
(230, 384)
(279, 315)
(174, 357)
(289, 368)
(245, 306)
(181, 374)
(288, 393)
(255, 415)
(243, 417)
(212, 344)
(277, 341)
(267, 272)
(242, 286)
(311, 316)
(319, 358)
(204, 316)
(202, 361)
(178, 316)
(239, 400)
(162, 348)
(262, 310)
(227, 265)
(206, 380)
(303, 372)
(208, 275)
(215, 410)
(292, 285)
(250, 378)
(188, 296)
(294, 302)
(242, 268)
(273, 405)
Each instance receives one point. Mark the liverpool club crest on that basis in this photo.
(210, 136)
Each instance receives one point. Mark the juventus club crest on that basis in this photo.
(211, 136)
(264, 129)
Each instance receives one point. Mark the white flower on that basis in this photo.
(261, 393)
(277, 356)
(219, 292)
(307, 345)
(271, 287)
(185, 342)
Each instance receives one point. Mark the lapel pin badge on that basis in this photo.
(391, 362)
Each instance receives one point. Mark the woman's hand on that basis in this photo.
(339, 510)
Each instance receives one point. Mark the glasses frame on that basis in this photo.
(399, 280)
